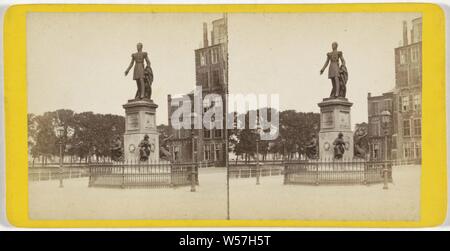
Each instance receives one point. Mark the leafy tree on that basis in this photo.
(295, 129)
(84, 133)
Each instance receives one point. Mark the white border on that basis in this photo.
(5, 226)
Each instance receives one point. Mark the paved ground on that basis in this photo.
(269, 200)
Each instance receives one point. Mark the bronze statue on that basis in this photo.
(337, 73)
(142, 75)
(339, 146)
(144, 149)
(312, 147)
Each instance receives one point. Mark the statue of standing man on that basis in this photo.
(142, 75)
(336, 72)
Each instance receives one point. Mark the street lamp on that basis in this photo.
(385, 121)
(60, 133)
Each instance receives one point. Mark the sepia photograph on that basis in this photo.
(224, 116)
(348, 143)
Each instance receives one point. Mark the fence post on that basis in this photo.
(285, 180)
(385, 176)
(90, 175)
(171, 174)
(123, 176)
(365, 172)
(317, 173)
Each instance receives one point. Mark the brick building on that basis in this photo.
(404, 102)
(408, 86)
(381, 134)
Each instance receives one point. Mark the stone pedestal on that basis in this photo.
(335, 118)
(140, 120)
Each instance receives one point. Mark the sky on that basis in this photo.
(283, 53)
(77, 60)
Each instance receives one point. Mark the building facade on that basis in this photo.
(404, 102)
(211, 71)
(381, 126)
(408, 92)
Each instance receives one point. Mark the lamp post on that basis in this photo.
(60, 132)
(258, 133)
(385, 121)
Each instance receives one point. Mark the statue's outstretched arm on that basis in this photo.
(129, 67)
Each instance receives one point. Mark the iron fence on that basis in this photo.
(351, 171)
(252, 169)
(55, 173)
(142, 174)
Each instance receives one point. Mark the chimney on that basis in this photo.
(205, 35)
(405, 33)
(369, 94)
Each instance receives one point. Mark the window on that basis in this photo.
(204, 78)
(417, 102)
(211, 152)
(403, 57)
(405, 103)
(417, 127)
(387, 105)
(374, 128)
(406, 150)
(417, 150)
(207, 152)
(394, 142)
(215, 56)
(217, 152)
(375, 109)
(375, 151)
(406, 128)
(202, 58)
(414, 54)
(218, 133)
(206, 133)
(215, 78)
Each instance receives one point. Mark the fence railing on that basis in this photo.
(251, 169)
(353, 171)
(143, 174)
(41, 174)
(406, 162)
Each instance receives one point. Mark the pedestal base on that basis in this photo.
(326, 146)
(140, 120)
(335, 119)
